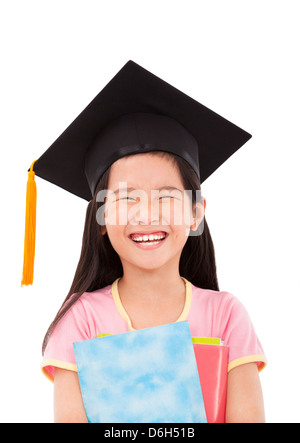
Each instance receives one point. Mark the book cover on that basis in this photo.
(144, 376)
(212, 362)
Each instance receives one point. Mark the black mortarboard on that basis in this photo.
(137, 112)
(98, 137)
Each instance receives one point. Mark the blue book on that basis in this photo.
(144, 376)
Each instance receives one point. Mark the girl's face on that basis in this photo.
(148, 216)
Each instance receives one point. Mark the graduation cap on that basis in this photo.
(136, 112)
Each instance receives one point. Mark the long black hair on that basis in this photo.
(99, 265)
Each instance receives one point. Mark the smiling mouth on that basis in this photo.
(149, 239)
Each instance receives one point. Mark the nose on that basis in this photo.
(145, 212)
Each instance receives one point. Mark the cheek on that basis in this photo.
(115, 233)
(178, 214)
(122, 213)
(180, 234)
(116, 214)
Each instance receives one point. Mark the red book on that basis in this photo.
(212, 362)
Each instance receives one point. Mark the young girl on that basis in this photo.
(150, 269)
(151, 286)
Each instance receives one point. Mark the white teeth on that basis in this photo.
(150, 237)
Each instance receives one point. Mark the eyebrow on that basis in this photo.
(167, 188)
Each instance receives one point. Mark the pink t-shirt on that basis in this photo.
(209, 314)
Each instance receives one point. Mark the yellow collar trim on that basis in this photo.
(125, 316)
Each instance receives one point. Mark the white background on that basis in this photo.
(239, 58)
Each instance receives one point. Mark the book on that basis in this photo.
(212, 363)
(144, 376)
(207, 341)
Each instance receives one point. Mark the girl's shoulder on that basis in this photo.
(222, 314)
(221, 307)
(97, 296)
(217, 299)
(90, 304)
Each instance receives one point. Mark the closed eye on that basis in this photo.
(169, 196)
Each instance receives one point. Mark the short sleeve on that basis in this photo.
(239, 334)
(59, 352)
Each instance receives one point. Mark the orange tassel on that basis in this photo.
(30, 228)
